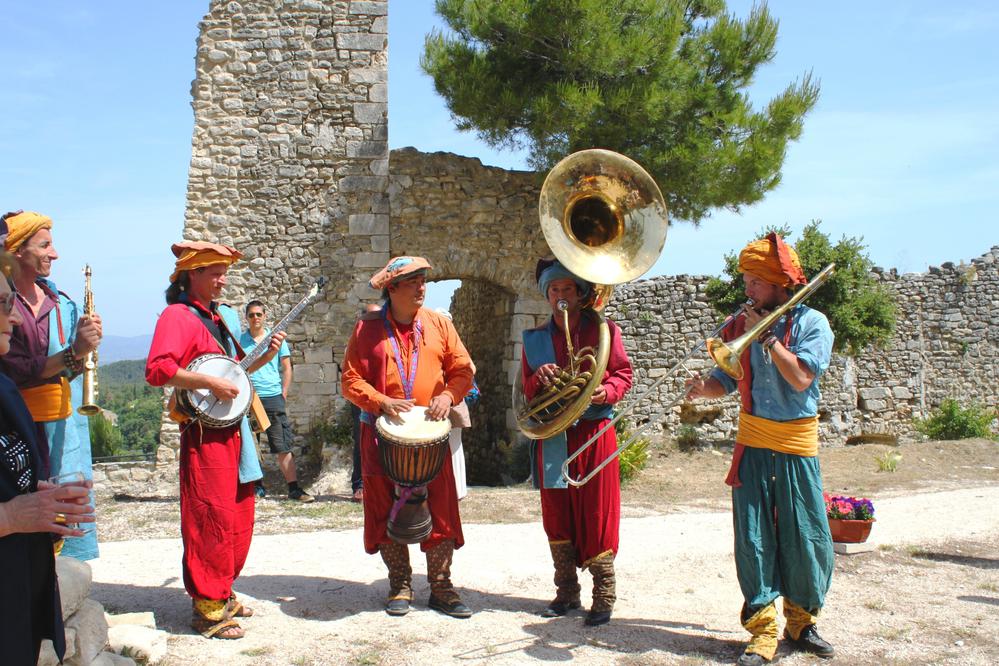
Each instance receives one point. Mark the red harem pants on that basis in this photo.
(442, 499)
(216, 511)
(588, 516)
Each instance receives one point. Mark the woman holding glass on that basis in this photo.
(31, 512)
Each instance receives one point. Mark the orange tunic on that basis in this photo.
(370, 374)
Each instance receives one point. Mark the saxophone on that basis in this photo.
(89, 403)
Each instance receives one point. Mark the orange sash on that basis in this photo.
(48, 402)
(799, 437)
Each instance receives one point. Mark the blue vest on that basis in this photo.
(540, 350)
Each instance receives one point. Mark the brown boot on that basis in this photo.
(396, 558)
(566, 582)
(604, 589)
(443, 596)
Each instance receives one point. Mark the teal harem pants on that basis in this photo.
(782, 541)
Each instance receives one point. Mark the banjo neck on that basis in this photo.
(262, 348)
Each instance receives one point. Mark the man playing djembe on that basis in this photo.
(401, 357)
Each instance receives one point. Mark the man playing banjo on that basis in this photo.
(216, 471)
(401, 357)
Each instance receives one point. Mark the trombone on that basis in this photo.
(724, 355)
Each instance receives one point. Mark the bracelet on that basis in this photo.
(73, 364)
(769, 343)
(767, 338)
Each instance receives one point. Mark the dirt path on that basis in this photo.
(928, 594)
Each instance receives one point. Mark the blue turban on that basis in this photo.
(557, 272)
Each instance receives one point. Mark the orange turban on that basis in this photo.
(22, 226)
(773, 260)
(198, 254)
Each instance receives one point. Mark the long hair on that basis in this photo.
(178, 287)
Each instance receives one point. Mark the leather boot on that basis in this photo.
(566, 582)
(604, 589)
(443, 596)
(762, 624)
(396, 558)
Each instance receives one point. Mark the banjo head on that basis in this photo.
(207, 408)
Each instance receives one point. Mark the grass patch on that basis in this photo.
(257, 651)
(888, 461)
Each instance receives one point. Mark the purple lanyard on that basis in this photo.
(410, 379)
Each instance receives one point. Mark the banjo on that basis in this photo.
(203, 406)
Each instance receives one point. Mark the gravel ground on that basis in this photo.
(928, 594)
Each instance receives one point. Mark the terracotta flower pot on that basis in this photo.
(850, 531)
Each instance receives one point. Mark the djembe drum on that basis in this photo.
(412, 450)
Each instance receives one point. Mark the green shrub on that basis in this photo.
(337, 432)
(687, 438)
(516, 460)
(951, 421)
(888, 461)
(634, 458)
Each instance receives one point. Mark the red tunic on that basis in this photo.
(370, 373)
(216, 510)
(587, 516)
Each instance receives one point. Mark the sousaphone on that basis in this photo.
(605, 220)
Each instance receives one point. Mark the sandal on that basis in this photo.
(225, 630)
(213, 619)
(236, 609)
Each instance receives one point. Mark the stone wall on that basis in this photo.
(946, 346)
(290, 165)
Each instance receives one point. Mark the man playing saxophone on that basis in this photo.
(782, 542)
(582, 522)
(47, 355)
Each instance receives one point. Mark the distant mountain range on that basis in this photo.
(120, 348)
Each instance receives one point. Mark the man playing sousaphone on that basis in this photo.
(400, 357)
(782, 542)
(582, 522)
(216, 470)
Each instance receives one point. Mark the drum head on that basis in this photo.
(412, 427)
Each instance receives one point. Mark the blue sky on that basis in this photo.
(901, 148)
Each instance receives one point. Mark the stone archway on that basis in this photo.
(479, 225)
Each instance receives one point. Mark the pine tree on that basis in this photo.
(661, 81)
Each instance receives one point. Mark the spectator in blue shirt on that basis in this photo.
(271, 382)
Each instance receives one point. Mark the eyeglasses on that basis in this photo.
(254, 314)
(7, 302)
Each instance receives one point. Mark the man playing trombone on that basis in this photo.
(782, 543)
(582, 522)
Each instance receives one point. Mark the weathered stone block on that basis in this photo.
(91, 631)
(367, 224)
(370, 112)
(368, 8)
(74, 583)
(371, 260)
(360, 41)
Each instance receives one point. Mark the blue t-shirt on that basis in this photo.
(266, 380)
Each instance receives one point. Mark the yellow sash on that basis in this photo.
(799, 437)
(48, 402)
